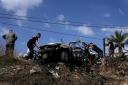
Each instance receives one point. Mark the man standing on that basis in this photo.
(111, 48)
(97, 50)
(10, 38)
(32, 43)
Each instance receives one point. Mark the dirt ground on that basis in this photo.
(24, 72)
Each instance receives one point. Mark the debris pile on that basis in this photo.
(61, 74)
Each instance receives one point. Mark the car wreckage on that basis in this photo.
(63, 52)
(73, 53)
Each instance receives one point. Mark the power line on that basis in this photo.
(30, 17)
(37, 18)
(61, 33)
(72, 23)
(40, 21)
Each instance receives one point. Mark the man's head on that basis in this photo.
(90, 45)
(109, 39)
(38, 35)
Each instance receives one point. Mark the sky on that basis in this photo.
(89, 20)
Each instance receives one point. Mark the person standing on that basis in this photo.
(111, 48)
(10, 38)
(32, 43)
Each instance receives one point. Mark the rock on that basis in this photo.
(35, 69)
(125, 83)
(32, 71)
(55, 74)
(57, 67)
(76, 77)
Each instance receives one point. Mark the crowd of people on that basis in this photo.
(11, 38)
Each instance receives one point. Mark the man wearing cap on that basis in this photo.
(33, 42)
(10, 38)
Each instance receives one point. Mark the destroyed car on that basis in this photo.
(76, 53)
(59, 52)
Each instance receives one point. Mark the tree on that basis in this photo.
(119, 39)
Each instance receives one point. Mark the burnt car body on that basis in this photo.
(74, 52)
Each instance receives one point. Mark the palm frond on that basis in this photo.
(119, 38)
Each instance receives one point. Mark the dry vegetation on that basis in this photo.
(18, 71)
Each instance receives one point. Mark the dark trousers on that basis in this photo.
(9, 50)
(31, 49)
(111, 53)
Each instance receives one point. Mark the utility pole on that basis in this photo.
(104, 50)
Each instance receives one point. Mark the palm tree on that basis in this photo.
(119, 39)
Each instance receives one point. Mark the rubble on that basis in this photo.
(35, 69)
(61, 74)
(55, 74)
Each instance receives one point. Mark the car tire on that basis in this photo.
(64, 56)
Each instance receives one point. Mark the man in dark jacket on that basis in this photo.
(10, 38)
(97, 50)
(32, 43)
(111, 48)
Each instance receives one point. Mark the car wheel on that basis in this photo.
(64, 56)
